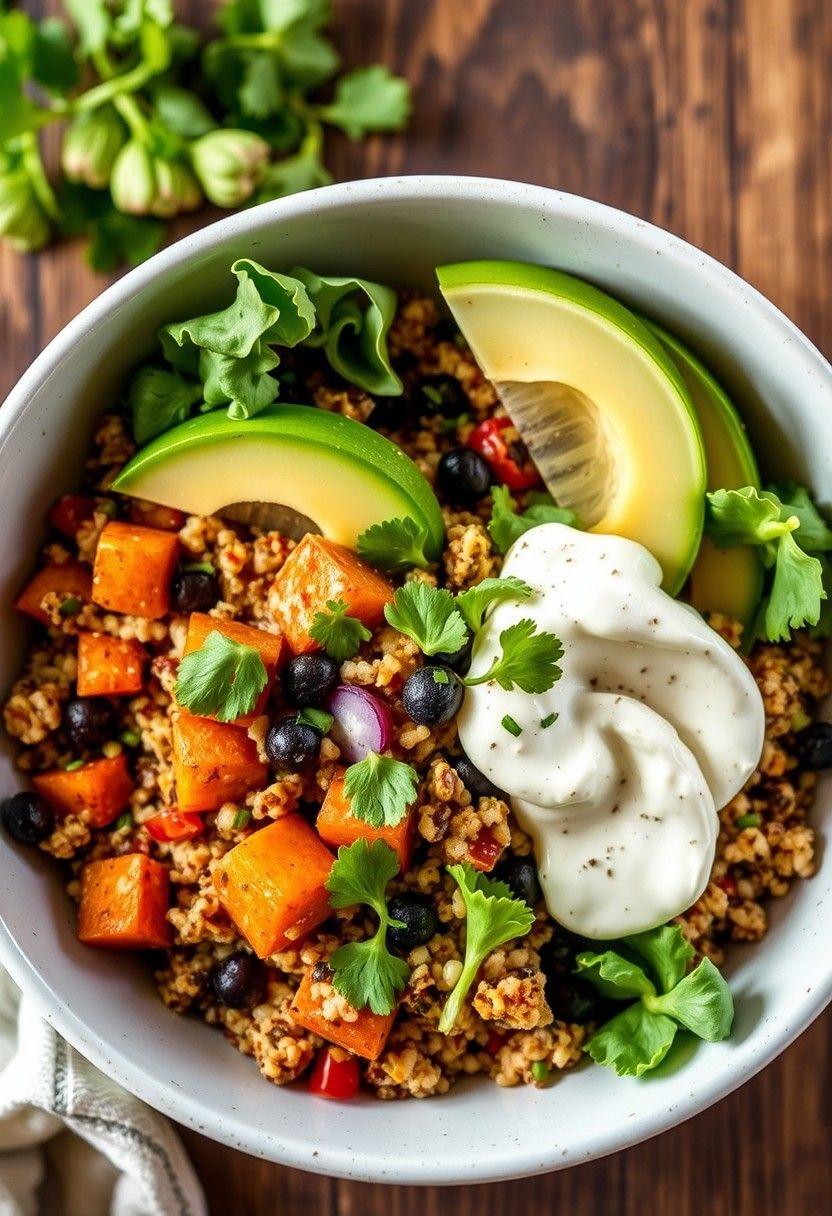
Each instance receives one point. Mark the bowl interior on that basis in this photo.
(398, 231)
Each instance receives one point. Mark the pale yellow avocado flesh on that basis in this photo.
(530, 333)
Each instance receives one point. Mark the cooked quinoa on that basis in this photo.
(509, 1021)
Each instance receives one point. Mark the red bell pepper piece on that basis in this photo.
(503, 450)
(335, 1075)
(484, 850)
(174, 825)
(69, 512)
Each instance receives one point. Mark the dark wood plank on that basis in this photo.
(712, 118)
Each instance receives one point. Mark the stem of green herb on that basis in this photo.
(33, 165)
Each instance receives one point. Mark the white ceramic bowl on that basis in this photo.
(397, 230)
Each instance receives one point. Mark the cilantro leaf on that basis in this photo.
(353, 317)
(429, 617)
(395, 544)
(813, 535)
(181, 110)
(223, 678)
(666, 951)
(633, 1042)
(474, 602)
(366, 973)
(613, 975)
(380, 790)
(493, 918)
(527, 659)
(339, 634)
(368, 99)
(701, 1002)
(158, 400)
(507, 524)
(53, 60)
(319, 719)
(746, 517)
(796, 591)
(293, 175)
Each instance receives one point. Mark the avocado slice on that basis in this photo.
(722, 580)
(323, 467)
(603, 409)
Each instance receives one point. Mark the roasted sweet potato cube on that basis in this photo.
(124, 902)
(213, 763)
(133, 568)
(364, 1037)
(319, 570)
(108, 666)
(67, 579)
(272, 884)
(337, 825)
(269, 645)
(102, 787)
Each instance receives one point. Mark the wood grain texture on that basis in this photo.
(714, 119)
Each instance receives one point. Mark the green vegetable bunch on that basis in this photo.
(650, 971)
(792, 540)
(156, 120)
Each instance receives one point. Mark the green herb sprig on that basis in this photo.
(156, 120)
(380, 789)
(222, 677)
(337, 632)
(650, 970)
(507, 524)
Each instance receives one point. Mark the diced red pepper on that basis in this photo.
(501, 447)
(174, 825)
(69, 512)
(335, 1075)
(154, 515)
(496, 1039)
(484, 850)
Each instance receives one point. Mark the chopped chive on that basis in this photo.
(73, 765)
(130, 738)
(440, 676)
(111, 749)
(546, 722)
(511, 726)
(70, 606)
(540, 1071)
(433, 394)
(452, 424)
(199, 568)
(317, 718)
(748, 821)
(241, 819)
(124, 821)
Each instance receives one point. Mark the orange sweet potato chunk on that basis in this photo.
(364, 1037)
(108, 666)
(133, 568)
(319, 570)
(124, 901)
(102, 787)
(65, 579)
(272, 884)
(338, 826)
(269, 645)
(213, 763)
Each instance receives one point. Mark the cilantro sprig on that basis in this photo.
(366, 973)
(493, 917)
(790, 536)
(527, 659)
(474, 602)
(380, 789)
(429, 616)
(222, 677)
(507, 524)
(395, 544)
(650, 970)
(337, 632)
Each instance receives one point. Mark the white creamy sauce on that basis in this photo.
(659, 723)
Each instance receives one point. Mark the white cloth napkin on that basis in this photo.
(72, 1142)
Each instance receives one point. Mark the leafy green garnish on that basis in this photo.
(339, 634)
(158, 400)
(493, 917)
(319, 719)
(776, 528)
(639, 1038)
(395, 544)
(380, 790)
(223, 678)
(366, 973)
(474, 602)
(352, 320)
(527, 659)
(507, 524)
(429, 616)
(368, 99)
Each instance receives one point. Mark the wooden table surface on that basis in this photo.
(712, 118)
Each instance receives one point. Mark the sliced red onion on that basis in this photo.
(363, 722)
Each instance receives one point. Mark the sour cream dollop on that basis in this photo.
(659, 723)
